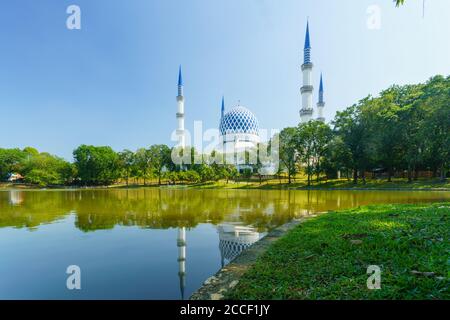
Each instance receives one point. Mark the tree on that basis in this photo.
(45, 169)
(97, 165)
(436, 125)
(127, 163)
(10, 160)
(206, 172)
(142, 162)
(288, 151)
(351, 128)
(335, 159)
(159, 158)
(313, 139)
(381, 116)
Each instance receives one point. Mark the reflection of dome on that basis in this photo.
(233, 239)
(239, 120)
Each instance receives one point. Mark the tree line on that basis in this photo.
(102, 166)
(404, 129)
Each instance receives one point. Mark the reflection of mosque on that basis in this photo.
(233, 239)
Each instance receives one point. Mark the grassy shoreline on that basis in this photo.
(342, 184)
(327, 257)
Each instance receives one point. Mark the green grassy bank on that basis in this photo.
(273, 184)
(327, 257)
(337, 184)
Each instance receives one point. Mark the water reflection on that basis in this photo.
(15, 197)
(181, 243)
(169, 208)
(233, 239)
(211, 227)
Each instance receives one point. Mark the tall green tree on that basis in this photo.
(436, 125)
(352, 130)
(44, 169)
(288, 142)
(10, 160)
(143, 164)
(313, 139)
(127, 164)
(97, 165)
(160, 158)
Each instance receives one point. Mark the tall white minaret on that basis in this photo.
(180, 112)
(321, 103)
(306, 111)
(181, 243)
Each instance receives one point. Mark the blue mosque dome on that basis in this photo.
(239, 120)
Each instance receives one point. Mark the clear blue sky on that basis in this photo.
(114, 81)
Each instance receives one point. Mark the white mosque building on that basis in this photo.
(239, 127)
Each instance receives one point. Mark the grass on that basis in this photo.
(274, 184)
(337, 184)
(327, 257)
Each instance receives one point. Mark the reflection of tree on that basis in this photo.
(33, 209)
(160, 208)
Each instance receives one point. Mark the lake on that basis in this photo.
(153, 243)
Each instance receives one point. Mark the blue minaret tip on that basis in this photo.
(321, 90)
(180, 77)
(321, 83)
(223, 105)
(307, 40)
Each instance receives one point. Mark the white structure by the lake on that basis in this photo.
(239, 129)
(180, 112)
(307, 111)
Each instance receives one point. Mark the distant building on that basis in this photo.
(14, 177)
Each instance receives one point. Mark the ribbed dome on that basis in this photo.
(239, 120)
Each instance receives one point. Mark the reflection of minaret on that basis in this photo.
(233, 239)
(181, 243)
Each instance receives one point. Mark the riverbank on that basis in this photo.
(337, 184)
(327, 257)
(341, 184)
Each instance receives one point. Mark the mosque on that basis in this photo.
(239, 131)
(239, 127)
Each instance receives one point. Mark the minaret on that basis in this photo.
(321, 103)
(180, 112)
(307, 89)
(222, 113)
(223, 107)
(181, 243)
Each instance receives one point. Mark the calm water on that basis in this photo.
(146, 243)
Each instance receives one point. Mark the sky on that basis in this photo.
(114, 81)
